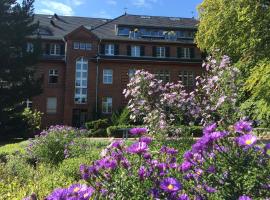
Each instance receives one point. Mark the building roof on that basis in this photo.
(108, 30)
(54, 27)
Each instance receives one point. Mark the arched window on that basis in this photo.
(81, 80)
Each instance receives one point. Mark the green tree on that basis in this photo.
(240, 29)
(237, 28)
(17, 82)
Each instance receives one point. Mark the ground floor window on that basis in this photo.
(163, 75)
(51, 105)
(106, 105)
(187, 78)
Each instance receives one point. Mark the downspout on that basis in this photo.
(97, 75)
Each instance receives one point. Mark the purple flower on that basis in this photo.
(170, 185)
(209, 129)
(266, 148)
(211, 169)
(147, 156)
(142, 173)
(243, 127)
(244, 197)
(138, 131)
(107, 163)
(147, 140)
(186, 166)
(138, 148)
(188, 155)
(246, 140)
(183, 197)
(76, 191)
(168, 150)
(153, 193)
(85, 172)
(116, 144)
(209, 189)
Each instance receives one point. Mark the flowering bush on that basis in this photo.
(155, 103)
(220, 165)
(53, 144)
(160, 105)
(215, 95)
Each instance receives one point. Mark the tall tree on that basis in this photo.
(17, 82)
(240, 29)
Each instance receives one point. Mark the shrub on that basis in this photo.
(114, 131)
(121, 118)
(98, 124)
(50, 146)
(32, 119)
(17, 166)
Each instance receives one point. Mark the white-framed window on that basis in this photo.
(187, 78)
(29, 104)
(163, 75)
(122, 31)
(55, 49)
(109, 49)
(131, 73)
(107, 76)
(185, 52)
(76, 45)
(82, 46)
(81, 81)
(88, 46)
(135, 51)
(53, 76)
(30, 47)
(51, 105)
(106, 105)
(161, 52)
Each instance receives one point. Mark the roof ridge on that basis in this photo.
(73, 16)
(162, 16)
(109, 21)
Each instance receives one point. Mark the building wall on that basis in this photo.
(64, 90)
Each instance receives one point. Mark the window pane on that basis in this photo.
(76, 45)
(84, 74)
(82, 46)
(51, 104)
(88, 46)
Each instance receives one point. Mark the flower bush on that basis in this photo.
(160, 105)
(222, 164)
(52, 145)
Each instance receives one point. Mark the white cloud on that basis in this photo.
(49, 7)
(76, 2)
(111, 2)
(45, 11)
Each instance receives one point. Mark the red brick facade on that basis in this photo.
(64, 89)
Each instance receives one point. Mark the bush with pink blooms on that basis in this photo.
(160, 105)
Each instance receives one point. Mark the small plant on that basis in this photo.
(32, 119)
(51, 145)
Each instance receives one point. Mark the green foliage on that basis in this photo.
(50, 146)
(17, 65)
(258, 84)
(115, 131)
(121, 118)
(238, 29)
(98, 124)
(33, 120)
(14, 147)
(17, 166)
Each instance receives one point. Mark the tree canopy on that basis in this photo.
(237, 28)
(240, 29)
(17, 82)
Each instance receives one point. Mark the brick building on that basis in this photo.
(87, 62)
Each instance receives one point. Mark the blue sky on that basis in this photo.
(114, 8)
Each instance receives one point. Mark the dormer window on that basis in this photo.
(134, 33)
(123, 31)
(109, 49)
